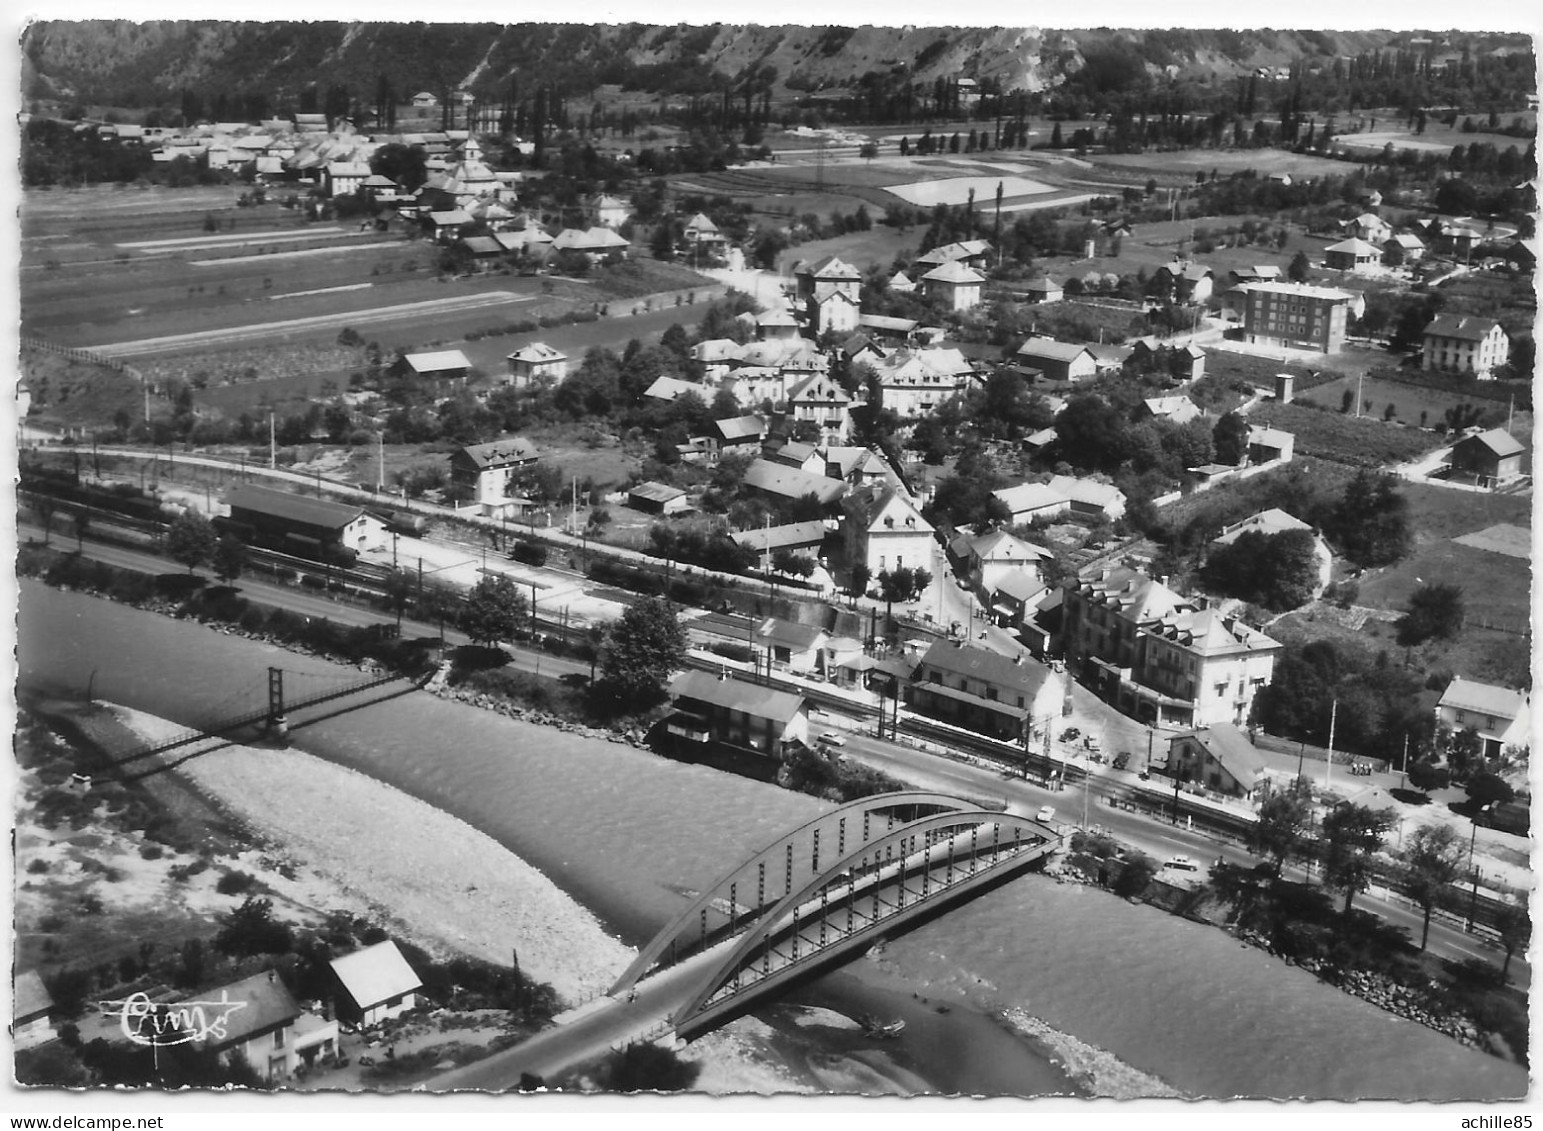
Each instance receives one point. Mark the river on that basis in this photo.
(633, 836)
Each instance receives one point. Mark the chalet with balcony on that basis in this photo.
(717, 711)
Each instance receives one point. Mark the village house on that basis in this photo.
(1405, 247)
(711, 711)
(1267, 445)
(658, 498)
(787, 644)
(901, 283)
(261, 1033)
(1257, 273)
(1354, 254)
(1465, 343)
(344, 178)
(1014, 597)
(737, 434)
(596, 243)
(982, 691)
(1164, 659)
(1175, 410)
(916, 381)
(958, 287)
(1268, 522)
(1370, 227)
(884, 530)
(1491, 458)
(1043, 289)
(1189, 283)
(821, 401)
(1058, 361)
(987, 558)
(485, 474)
(536, 363)
(446, 225)
(857, 466)
(609, 211)
(716, 356)
(1218, 757)
(31, 1011)
(299, 523)
(374, 984)
(795, 453)
(971, 253)
(1501, 716)
(828, 292)
(1298, 316)
(700, 232)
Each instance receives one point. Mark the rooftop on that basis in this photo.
(296, 508)
(983, 664)
(375, 974)
(736, 695)
(498, 453)
(1485, 698)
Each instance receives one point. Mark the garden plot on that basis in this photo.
(956, 190)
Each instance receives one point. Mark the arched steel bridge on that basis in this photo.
(830, 886)
(824, 891)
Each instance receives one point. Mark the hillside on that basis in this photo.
(140, 65)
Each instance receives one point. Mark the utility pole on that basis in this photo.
(380, 466)
(273, 450)
(1329, 765)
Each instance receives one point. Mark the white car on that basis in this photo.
(1045, 815)
(831, 738)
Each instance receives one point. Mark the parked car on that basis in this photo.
(1045, 815)
(1182, 864)
(831, 738)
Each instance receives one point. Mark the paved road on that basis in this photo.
(928, 771)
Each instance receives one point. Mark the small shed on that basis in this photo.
(1491, 457)
(446, 364)
(657, 498)
(374, 984)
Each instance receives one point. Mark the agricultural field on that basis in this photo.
(1191, 161)
(1362, 442)
(1412, 404)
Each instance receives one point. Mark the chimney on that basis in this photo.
(1283, 389)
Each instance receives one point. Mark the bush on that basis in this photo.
(234, 883)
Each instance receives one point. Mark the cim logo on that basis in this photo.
(185, 1022)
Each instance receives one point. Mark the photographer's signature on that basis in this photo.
(146, 1023)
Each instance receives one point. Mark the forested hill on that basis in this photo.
(142, 65)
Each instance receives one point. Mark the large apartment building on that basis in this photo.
(1297, 316)
(1160, 657)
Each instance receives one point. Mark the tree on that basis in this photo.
(1230, 437)
(1352, 837)
(1515, 927)
(191, 540)
(1371, 520)
(494, 609)
(642, 649)
(1486, 789)
(895, 585)
(647, 1067)
(82, 524)
(1435, 611)
(252, 929)
(44, 507)
(1278, 571)
(1282, 827)
(1431, 861)
(229, 558)
(868, 151)
(1300, 268)
(861, 576)
(1465, 753)
(1425, 775)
